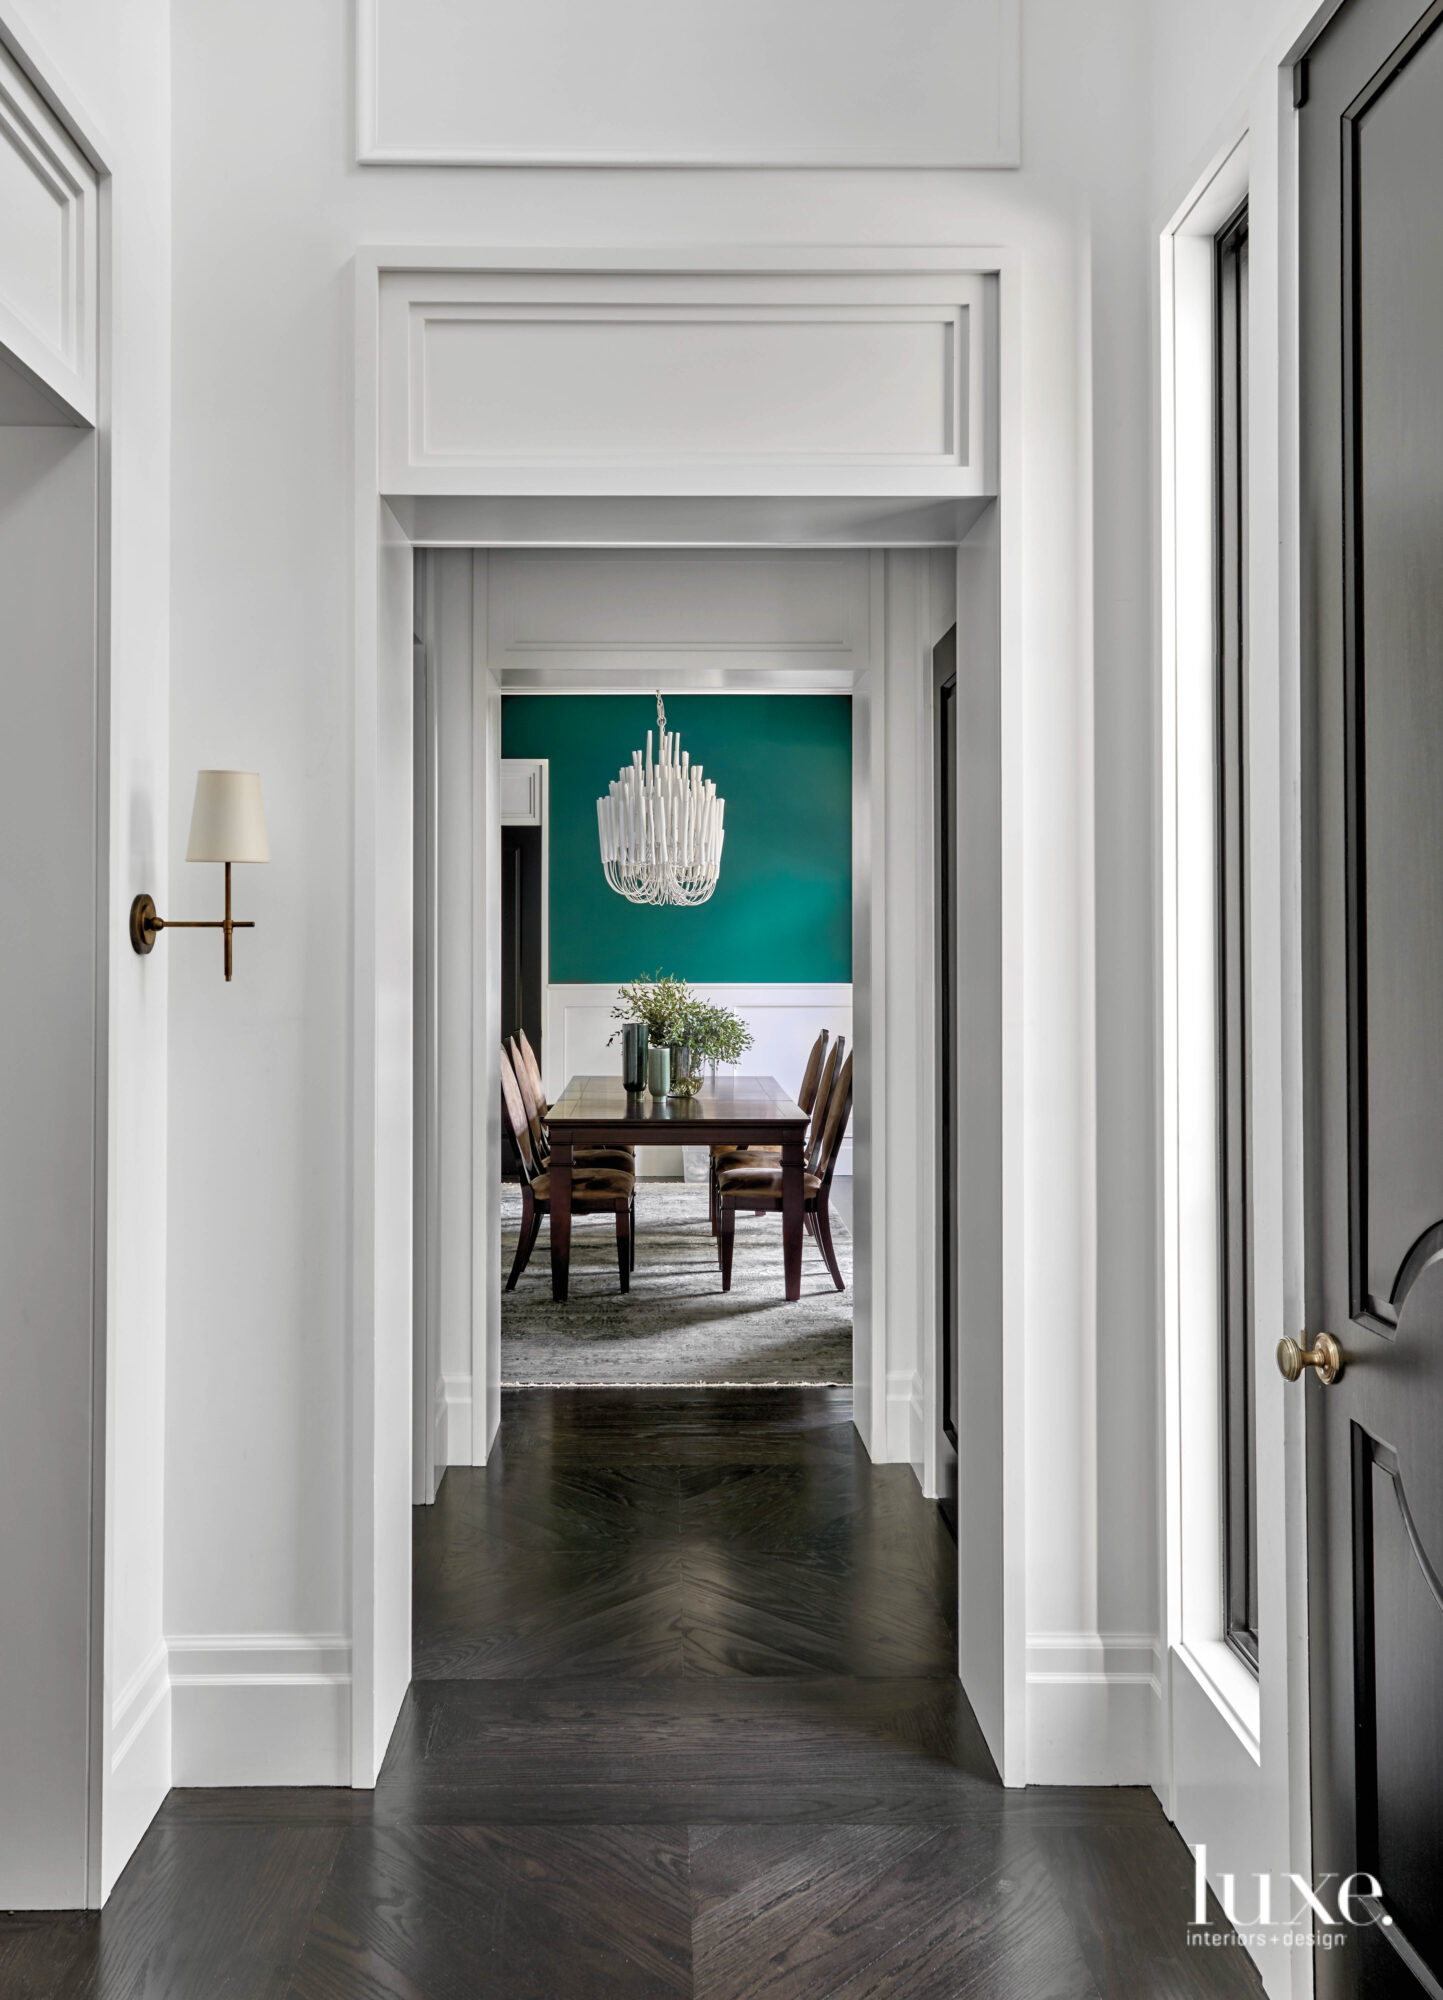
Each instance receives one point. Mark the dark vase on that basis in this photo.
(633, 1057)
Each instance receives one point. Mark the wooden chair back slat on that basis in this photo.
(533, 1071)
(807, 1095)
(513, 1110)
(529, 1101)
(819, 1107)
(834, 1130)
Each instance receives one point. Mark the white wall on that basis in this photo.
(257, 1423)
(112, 67)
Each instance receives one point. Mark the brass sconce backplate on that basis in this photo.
(144, 929)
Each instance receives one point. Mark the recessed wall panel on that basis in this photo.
(684, 385)
(917, 83)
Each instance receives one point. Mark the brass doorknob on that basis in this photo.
(1324, 1355)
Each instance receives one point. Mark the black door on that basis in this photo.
(1371, 317)
(944, 673)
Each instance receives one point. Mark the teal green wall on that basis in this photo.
(783, 907)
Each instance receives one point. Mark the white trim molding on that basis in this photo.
(840, 376)
(1041, 819)
(630, 620)
(1234, 1772)
(140, 1760)
(455, 1442)
(1094, 1707)
(560, 85)
(48, 298)
(906, 1419)
(261, 1708)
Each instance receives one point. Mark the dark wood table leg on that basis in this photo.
(559, 1166)
(794, 1207)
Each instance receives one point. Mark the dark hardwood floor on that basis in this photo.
(685, 1722)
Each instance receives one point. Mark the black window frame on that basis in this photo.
(1236, 1331)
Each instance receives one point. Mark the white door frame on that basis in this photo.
(380, 1229)
(68, 379)
(1235, 1755)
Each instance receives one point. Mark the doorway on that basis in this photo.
(524, 922)
(765, 959)
(949, 1123)
(879, 648)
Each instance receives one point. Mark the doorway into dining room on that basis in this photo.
(799, 679)
(747, 989)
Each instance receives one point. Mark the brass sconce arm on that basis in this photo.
(146, 924)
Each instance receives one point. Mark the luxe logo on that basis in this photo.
(1355, 1894)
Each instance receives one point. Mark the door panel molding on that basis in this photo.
(1371, 1305)
(1377, 1838)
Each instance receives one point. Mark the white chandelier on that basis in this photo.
(661, 826)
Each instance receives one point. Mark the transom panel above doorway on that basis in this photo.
(812, 381)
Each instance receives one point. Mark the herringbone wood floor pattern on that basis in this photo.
(685, 1722)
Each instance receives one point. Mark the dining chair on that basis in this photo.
(736, 1156)
(593, 1189)
(528, 1082)
(757, 1190)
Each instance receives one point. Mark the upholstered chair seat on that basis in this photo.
(609, 1181)
(762, 1183)
(744, 1156)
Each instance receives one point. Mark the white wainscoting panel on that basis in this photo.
(551, 611)
(784, 1017)
(261, 1709)
(48, 205)
(795, 83)
(687, 381)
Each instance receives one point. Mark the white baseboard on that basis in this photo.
(441, 1430)
(140, 1762)
(260, 1709)
(454, 1443)
(899, 1416)
(917, 1431)
(1094, 1708)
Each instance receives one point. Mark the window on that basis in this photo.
(1239, 1440)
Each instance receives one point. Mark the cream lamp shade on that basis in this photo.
(228, 821)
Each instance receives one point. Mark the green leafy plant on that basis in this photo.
(661, 1004)
(715, 1034)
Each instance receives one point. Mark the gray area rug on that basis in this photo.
(675, 1327)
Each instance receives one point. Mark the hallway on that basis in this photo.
(684, 1722)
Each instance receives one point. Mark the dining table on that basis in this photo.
(732, 1110)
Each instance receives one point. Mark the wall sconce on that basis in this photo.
(228, 823)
